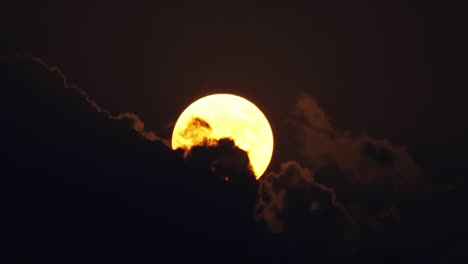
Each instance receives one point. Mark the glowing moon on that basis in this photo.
(225, 115)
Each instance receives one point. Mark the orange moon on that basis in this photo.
(227, 116)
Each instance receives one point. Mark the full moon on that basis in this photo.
(226, 116)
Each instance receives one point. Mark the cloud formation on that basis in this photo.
(80, 181)
(354, 185)
(278, 189)
(363, 171)
(87, 183)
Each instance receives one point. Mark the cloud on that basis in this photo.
(196, 132)
(364, 172)
(292, 191)
(225, 160)
(354, 184)
(83, 182)
(80, 181)
(291, 202)
(138, 125)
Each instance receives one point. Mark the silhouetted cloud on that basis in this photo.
(291, 192)
(138, 125)
(365, 172)
(354, 184)
(101, 186)
(83, 183)
(291, 202)
(224, 158)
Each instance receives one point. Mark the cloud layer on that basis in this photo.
(86, 185)
(354, 185)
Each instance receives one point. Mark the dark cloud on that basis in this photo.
(365, 172)
(138, 125)
(352, 191)
(81, 183)
(278, 189)
(224, 159)
(292, 203)
(32, 88)
(85, 183)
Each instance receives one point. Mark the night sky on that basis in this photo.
(366, 100)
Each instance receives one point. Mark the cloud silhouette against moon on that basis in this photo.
(81, 181)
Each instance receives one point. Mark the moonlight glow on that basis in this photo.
(225, 115)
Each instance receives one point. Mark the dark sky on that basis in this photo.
(390, 73)
(391, 69)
